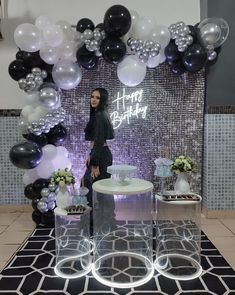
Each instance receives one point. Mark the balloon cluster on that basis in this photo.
(44, 124)
(144, 49)
(93, 39)
(207, 36)
(33, 80)
(180, 32)
(48, 200)
(42, 196)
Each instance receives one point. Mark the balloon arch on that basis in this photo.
(50, 58)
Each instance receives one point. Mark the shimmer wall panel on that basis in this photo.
(163, 116)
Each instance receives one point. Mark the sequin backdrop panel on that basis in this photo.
(174, 119)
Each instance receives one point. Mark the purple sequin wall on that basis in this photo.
(165, 114)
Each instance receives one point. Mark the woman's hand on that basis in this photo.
(95, 171)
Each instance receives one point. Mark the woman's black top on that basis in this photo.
(98, 129)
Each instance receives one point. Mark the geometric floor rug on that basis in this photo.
(31, 271)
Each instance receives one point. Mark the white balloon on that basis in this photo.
(32, 98)
(33, 117)
(161, 35)
(26, 111)
(49, 152)
(40, 111)
(143, 27)
(134, 17)
(67, 29)
(53, 35)
(42, 21)
(66, 74)
(28, 37)
(61, 162)
(45, 169)
(49, 54)
(131, 71)
(62, 151)
(30, 176)
(67, 50)
(153, 62)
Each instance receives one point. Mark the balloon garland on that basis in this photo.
(50, 58)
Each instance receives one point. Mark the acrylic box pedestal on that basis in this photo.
(122, 218)
(73, 245)
(178, 238)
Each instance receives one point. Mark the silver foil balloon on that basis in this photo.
(45, 192)
(22, 83)
(52, 197)
(36, 71)
(44, 200)
(49, 97)
(52, 187)
(38, 80)
(51, 205)
(211, 55)
(44, 74)
(42, 207)
(87, 34)
(30, 77)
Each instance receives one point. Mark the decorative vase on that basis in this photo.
(63, 198)
(182, 185)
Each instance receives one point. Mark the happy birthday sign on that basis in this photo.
(128, 106)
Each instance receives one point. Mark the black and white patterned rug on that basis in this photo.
(31, 271)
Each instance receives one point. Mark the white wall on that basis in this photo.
(20, 11)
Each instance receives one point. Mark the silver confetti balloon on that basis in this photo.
(45, 192)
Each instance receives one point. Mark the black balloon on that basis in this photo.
(194, 58)
(57, 134)
(83, 24)
(100, 26)
(32, 59)
(171, 52)
(178, 68)
(17, 70)
(34, 204)
(39, 139)
(86, 58)
(117, 20)
(113, 49)
(37, 216)
(26, 155)
(19, 54)
(48, 218)
(38, 185)
(193, 32)
(29, 192)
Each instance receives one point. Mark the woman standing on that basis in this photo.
(99, 129)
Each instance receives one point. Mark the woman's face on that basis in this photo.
(95, 99)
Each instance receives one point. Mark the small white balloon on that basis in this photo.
(53, 35)
(42, 21)
(30, 176)
(162, 35)
(67, 50)
(33, 117)
(143, 28)
(49, 54)
(41, 111)
(26, 111)
(67, 29)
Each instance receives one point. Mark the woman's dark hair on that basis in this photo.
(103, 105)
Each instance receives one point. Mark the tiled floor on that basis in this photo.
(15, 227)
